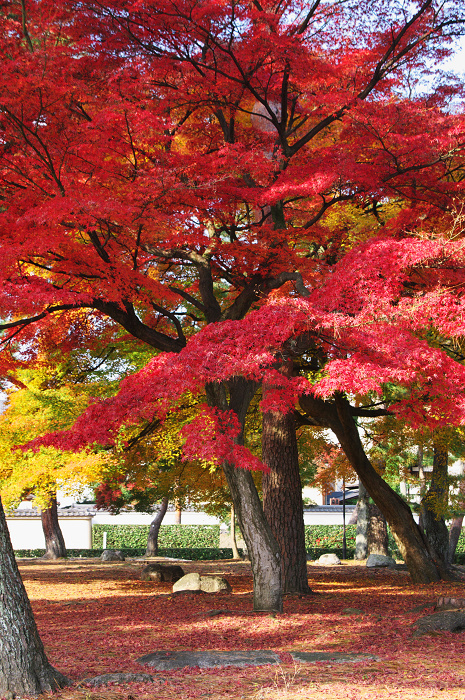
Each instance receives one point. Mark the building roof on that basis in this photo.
(328, 509)
(73, 511)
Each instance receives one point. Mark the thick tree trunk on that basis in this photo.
(378, 542)
(361, 538)
(55, 547)
(152, 539)
(261, 545)
(282, 497)
(423, 563)
(24, 667)
(434, 504)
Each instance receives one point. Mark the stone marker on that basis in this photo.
(118, 678)
(377, 560)
(169, 660)
(329, 560)
(162, 572)
(206, 584)
(112, 555)
(447, 621)
(335, 657)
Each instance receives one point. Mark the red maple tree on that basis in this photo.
(236, 186)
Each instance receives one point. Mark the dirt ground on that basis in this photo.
(97, 618)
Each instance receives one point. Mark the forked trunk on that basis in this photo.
(261, 545)
(55, 547)
(422, 561)
(282, 497)
(154, 531)
(24, 667)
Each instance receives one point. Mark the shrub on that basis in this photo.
(178, 536)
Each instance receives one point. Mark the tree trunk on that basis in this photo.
(282, 496)
(454, 534)
(152, 539)
(261, 545)
(361, 538)
(434, 504)
(24, 667)
(423, 563)
(378, 542)
(177, 512)
(234, 548)
(55, 547)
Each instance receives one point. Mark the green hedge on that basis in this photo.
(178, 536)
(329, 537)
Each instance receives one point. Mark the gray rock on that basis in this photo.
(214, 584)
(337, 657)
(168, 660)
(189, 582)
(162, 572)
(377, 560)
(447, 621)
(118, 678)
(112, 555)
(329, 560)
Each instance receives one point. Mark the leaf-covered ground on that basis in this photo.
(97, 618)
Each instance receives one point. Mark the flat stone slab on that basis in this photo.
(118, 678)
(168, 660)
(335, 657)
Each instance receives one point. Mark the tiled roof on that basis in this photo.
(327, 509)
(70, 512)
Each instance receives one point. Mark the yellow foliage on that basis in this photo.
(31, 412)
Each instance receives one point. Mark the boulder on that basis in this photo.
(112, 555)
(189, 582)
(205, 584)
(447, 621)
(329, 560)
(214, 584)
(162, 572)
(377, 560)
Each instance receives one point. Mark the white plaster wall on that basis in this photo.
(188, 517)
(325, 518)
(27, 533)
